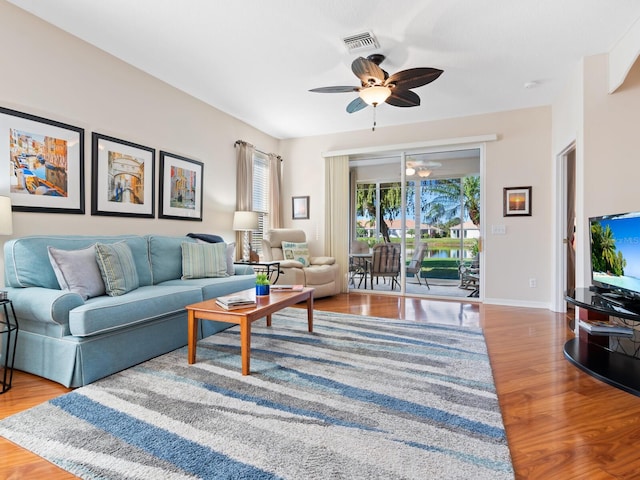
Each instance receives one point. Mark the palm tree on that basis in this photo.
(447, 199)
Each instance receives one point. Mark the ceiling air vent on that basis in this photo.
(361, 41)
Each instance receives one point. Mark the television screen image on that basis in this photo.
(615, 252)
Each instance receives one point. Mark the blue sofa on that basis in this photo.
(75, 341)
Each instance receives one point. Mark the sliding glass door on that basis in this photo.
(432, 218)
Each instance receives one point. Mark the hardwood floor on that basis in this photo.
(560, 422)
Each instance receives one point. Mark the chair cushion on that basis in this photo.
(117, 267)
(296, 251)
(77, 271)
(320, 274)
(204, 260)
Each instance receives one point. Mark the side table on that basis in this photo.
(8, 339)
(272, 269)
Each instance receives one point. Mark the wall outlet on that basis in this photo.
(532, 283)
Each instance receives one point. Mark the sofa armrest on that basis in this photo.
(43, 304)
(322, 260)
(290, 264)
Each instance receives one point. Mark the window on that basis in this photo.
(260, 198)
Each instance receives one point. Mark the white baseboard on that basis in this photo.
(516, 303)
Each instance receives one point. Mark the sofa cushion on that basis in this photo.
(216, 286)
(77, 271)
(296, 251)
(204, 260)
(165, 254)
(117, 267)
(27, 260)
(104, 314)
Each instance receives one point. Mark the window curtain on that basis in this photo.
(244, 185)
(275, 194)
(336, 231)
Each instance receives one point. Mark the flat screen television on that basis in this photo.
(615, 254)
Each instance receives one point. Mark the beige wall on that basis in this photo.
(50, 73)
(611, 132)
(520, 157)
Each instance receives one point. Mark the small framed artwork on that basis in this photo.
(300, 208)
(123, 178)
(517, 201)
(180, 187)
(42, 163)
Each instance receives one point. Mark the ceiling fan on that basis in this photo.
(378, 87)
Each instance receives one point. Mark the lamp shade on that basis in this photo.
(245, 221)
(6, 224)
(375, 95)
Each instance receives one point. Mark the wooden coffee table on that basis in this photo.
(266, 306)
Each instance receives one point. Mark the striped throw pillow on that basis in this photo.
(204, 260)
(117, 268)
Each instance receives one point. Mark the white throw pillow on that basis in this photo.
(77, 271)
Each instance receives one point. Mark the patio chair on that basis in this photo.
(415, 265)
(358, 263)
(470, 276)
(385, 263)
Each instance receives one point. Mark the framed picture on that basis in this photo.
(517, 201)
(299, 208)
(123, 178)
(42, 163)
(180, 187)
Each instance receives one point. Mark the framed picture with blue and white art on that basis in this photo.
(42, 163)
(122, 178)
(180, 187)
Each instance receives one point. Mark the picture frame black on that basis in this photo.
(181, 187)
(516, 201)
(300, 208)
(43, 161)
(123, 178)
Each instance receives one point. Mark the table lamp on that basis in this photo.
(245, 222)
(6, 226)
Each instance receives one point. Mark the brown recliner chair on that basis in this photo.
(322, 273)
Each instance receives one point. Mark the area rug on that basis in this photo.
(359, 398)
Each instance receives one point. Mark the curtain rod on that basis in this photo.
(239, 142)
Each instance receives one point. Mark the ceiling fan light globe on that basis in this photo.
(410, 171)
(375, 95)
(424, 173)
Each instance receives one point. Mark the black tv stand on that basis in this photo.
(592, 353)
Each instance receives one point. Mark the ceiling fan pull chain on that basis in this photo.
(373, 129)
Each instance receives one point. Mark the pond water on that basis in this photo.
(448, 253)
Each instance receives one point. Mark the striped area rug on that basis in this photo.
(359, 398)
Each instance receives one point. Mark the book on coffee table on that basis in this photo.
(288, 288)
(235, 301)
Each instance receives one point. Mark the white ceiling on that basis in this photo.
(257, 59)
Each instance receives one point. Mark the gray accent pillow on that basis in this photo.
(117, 267)
(77, 271)
(204, 260)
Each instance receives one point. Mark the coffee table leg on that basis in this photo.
(245, 344)
(268, 320)
(192, 336)
(310, 311)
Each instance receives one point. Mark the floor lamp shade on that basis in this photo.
(245, 222)
(6, 224)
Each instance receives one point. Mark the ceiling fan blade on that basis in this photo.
(403, 98)
(335, 89)
(356, 104)
(413, 77)
(367, 71)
